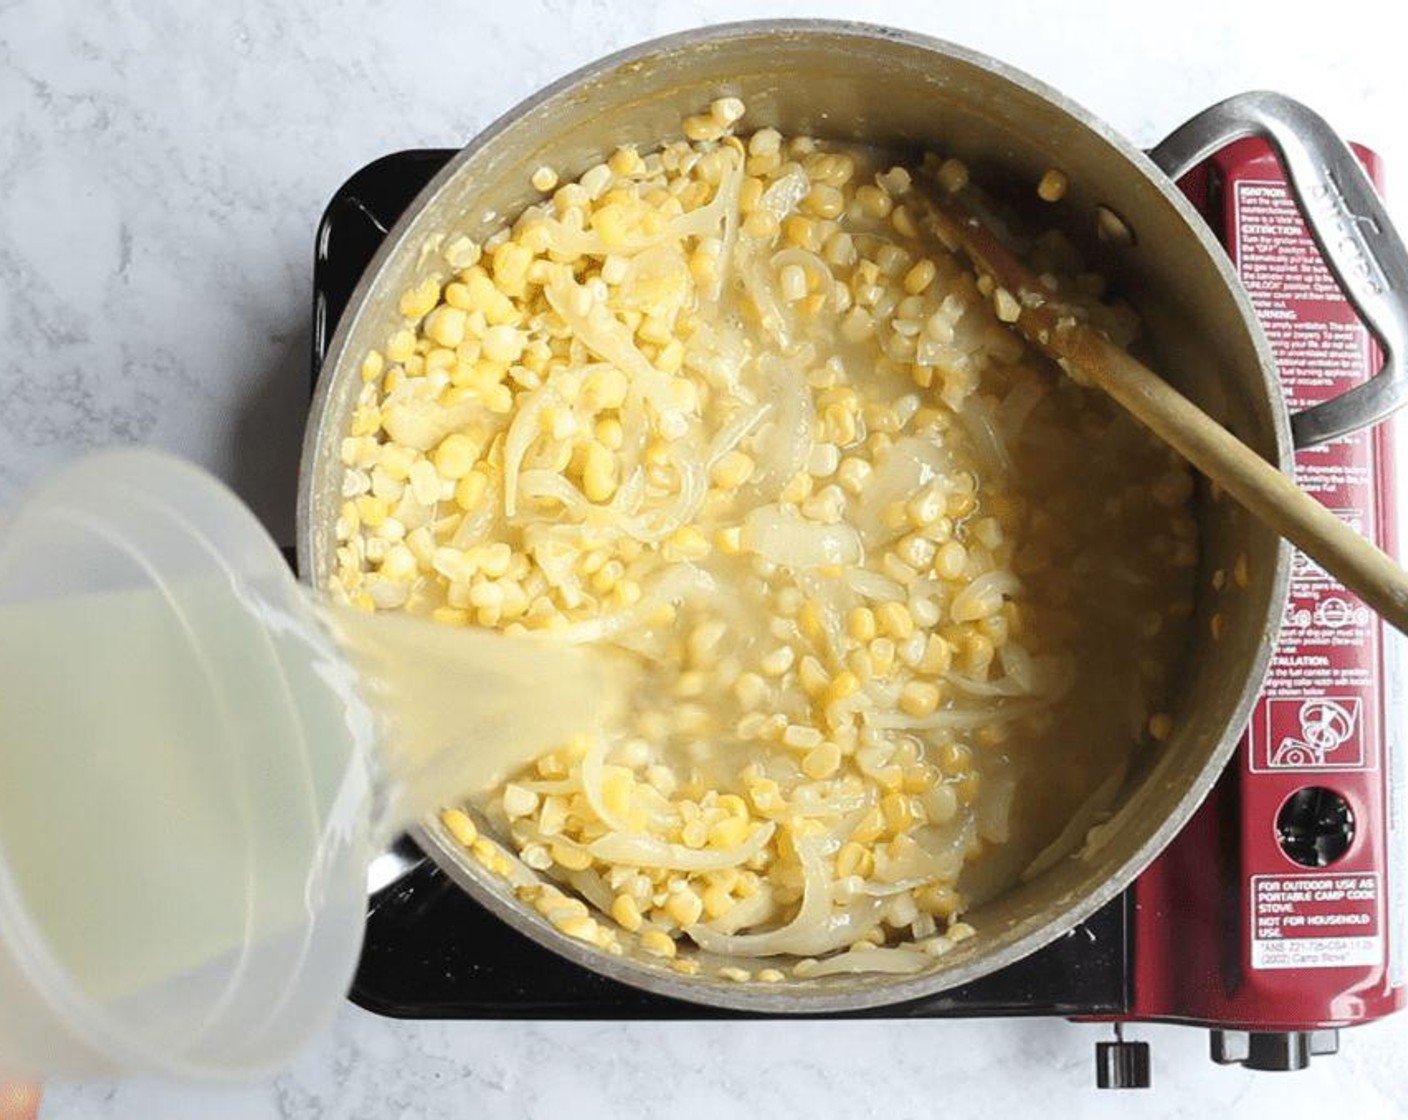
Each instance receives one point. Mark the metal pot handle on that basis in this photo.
(1349, 224)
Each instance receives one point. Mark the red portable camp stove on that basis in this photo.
(1274, 919)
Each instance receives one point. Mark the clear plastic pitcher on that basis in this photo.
(186, 783)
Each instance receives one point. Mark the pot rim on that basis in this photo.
(880, 990)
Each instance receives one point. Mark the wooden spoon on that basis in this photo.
(1089, 356)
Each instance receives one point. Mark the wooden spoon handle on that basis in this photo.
(1088, 356)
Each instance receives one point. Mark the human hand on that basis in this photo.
(18, 1101)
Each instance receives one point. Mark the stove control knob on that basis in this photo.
(1121, 1064)
(1315, 826)
(1274, 1051)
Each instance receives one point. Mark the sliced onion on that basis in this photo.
(657, 524)
(422, 422)
(607, 337)
(593, 767)
(977, 414)
(816, 928)
(754, 910)
(570, 242)
(636, 850)
(550, 484)
(994, 810)
(873, 585)
(522, 432)
(983, 596)
(736, 430)
(788, 189)
(809, 263)
(908, 466)
(783, 538)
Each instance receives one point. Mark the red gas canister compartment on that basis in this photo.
(1278, 913)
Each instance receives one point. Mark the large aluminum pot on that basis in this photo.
(879, 86)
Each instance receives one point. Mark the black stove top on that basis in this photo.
(432, 952)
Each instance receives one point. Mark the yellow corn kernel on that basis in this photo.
(843, 684)
(470, 490)
(918, 278)
(456, 456)
(717, 902)
(729, 832)
(598, 472)
(919, 698)
(870, 827)
(822, 761)
(898, 813)
(450, 616)
(544, 179)
(812, 676)
(685, 907)
(854, 859)
(1160, 726)
(894, 620)
(1052, 186)
(570, 858)
(937, 900)
(502, 344)
(372, 365)
(809, 619)
(445, 326)
(937, 658)
(860, 624)
(626, 913)
(903, 221)
(732, 470)
(399, 348)
(618, 786)
(798, 489)
(373, 510)
(458, 825)
(1241, 571)
(579, 926)
(419, 300)
(766, 795)
(952, 175)
(729, 541)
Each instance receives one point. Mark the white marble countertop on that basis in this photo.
(161, 174)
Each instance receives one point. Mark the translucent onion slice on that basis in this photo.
(422, 422)
(983, 596)
(739, 425)
(754, 910)
(978, 416)
(818, 926)
(704, 221)
(872, 585)
(781, 537)
(593, 766)
(521, 434)
(636, 850)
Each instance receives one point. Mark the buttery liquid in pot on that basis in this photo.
(900, 600)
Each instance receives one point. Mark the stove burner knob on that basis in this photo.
(1121, 1064)
(1315, 826)
(1273, 1051)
